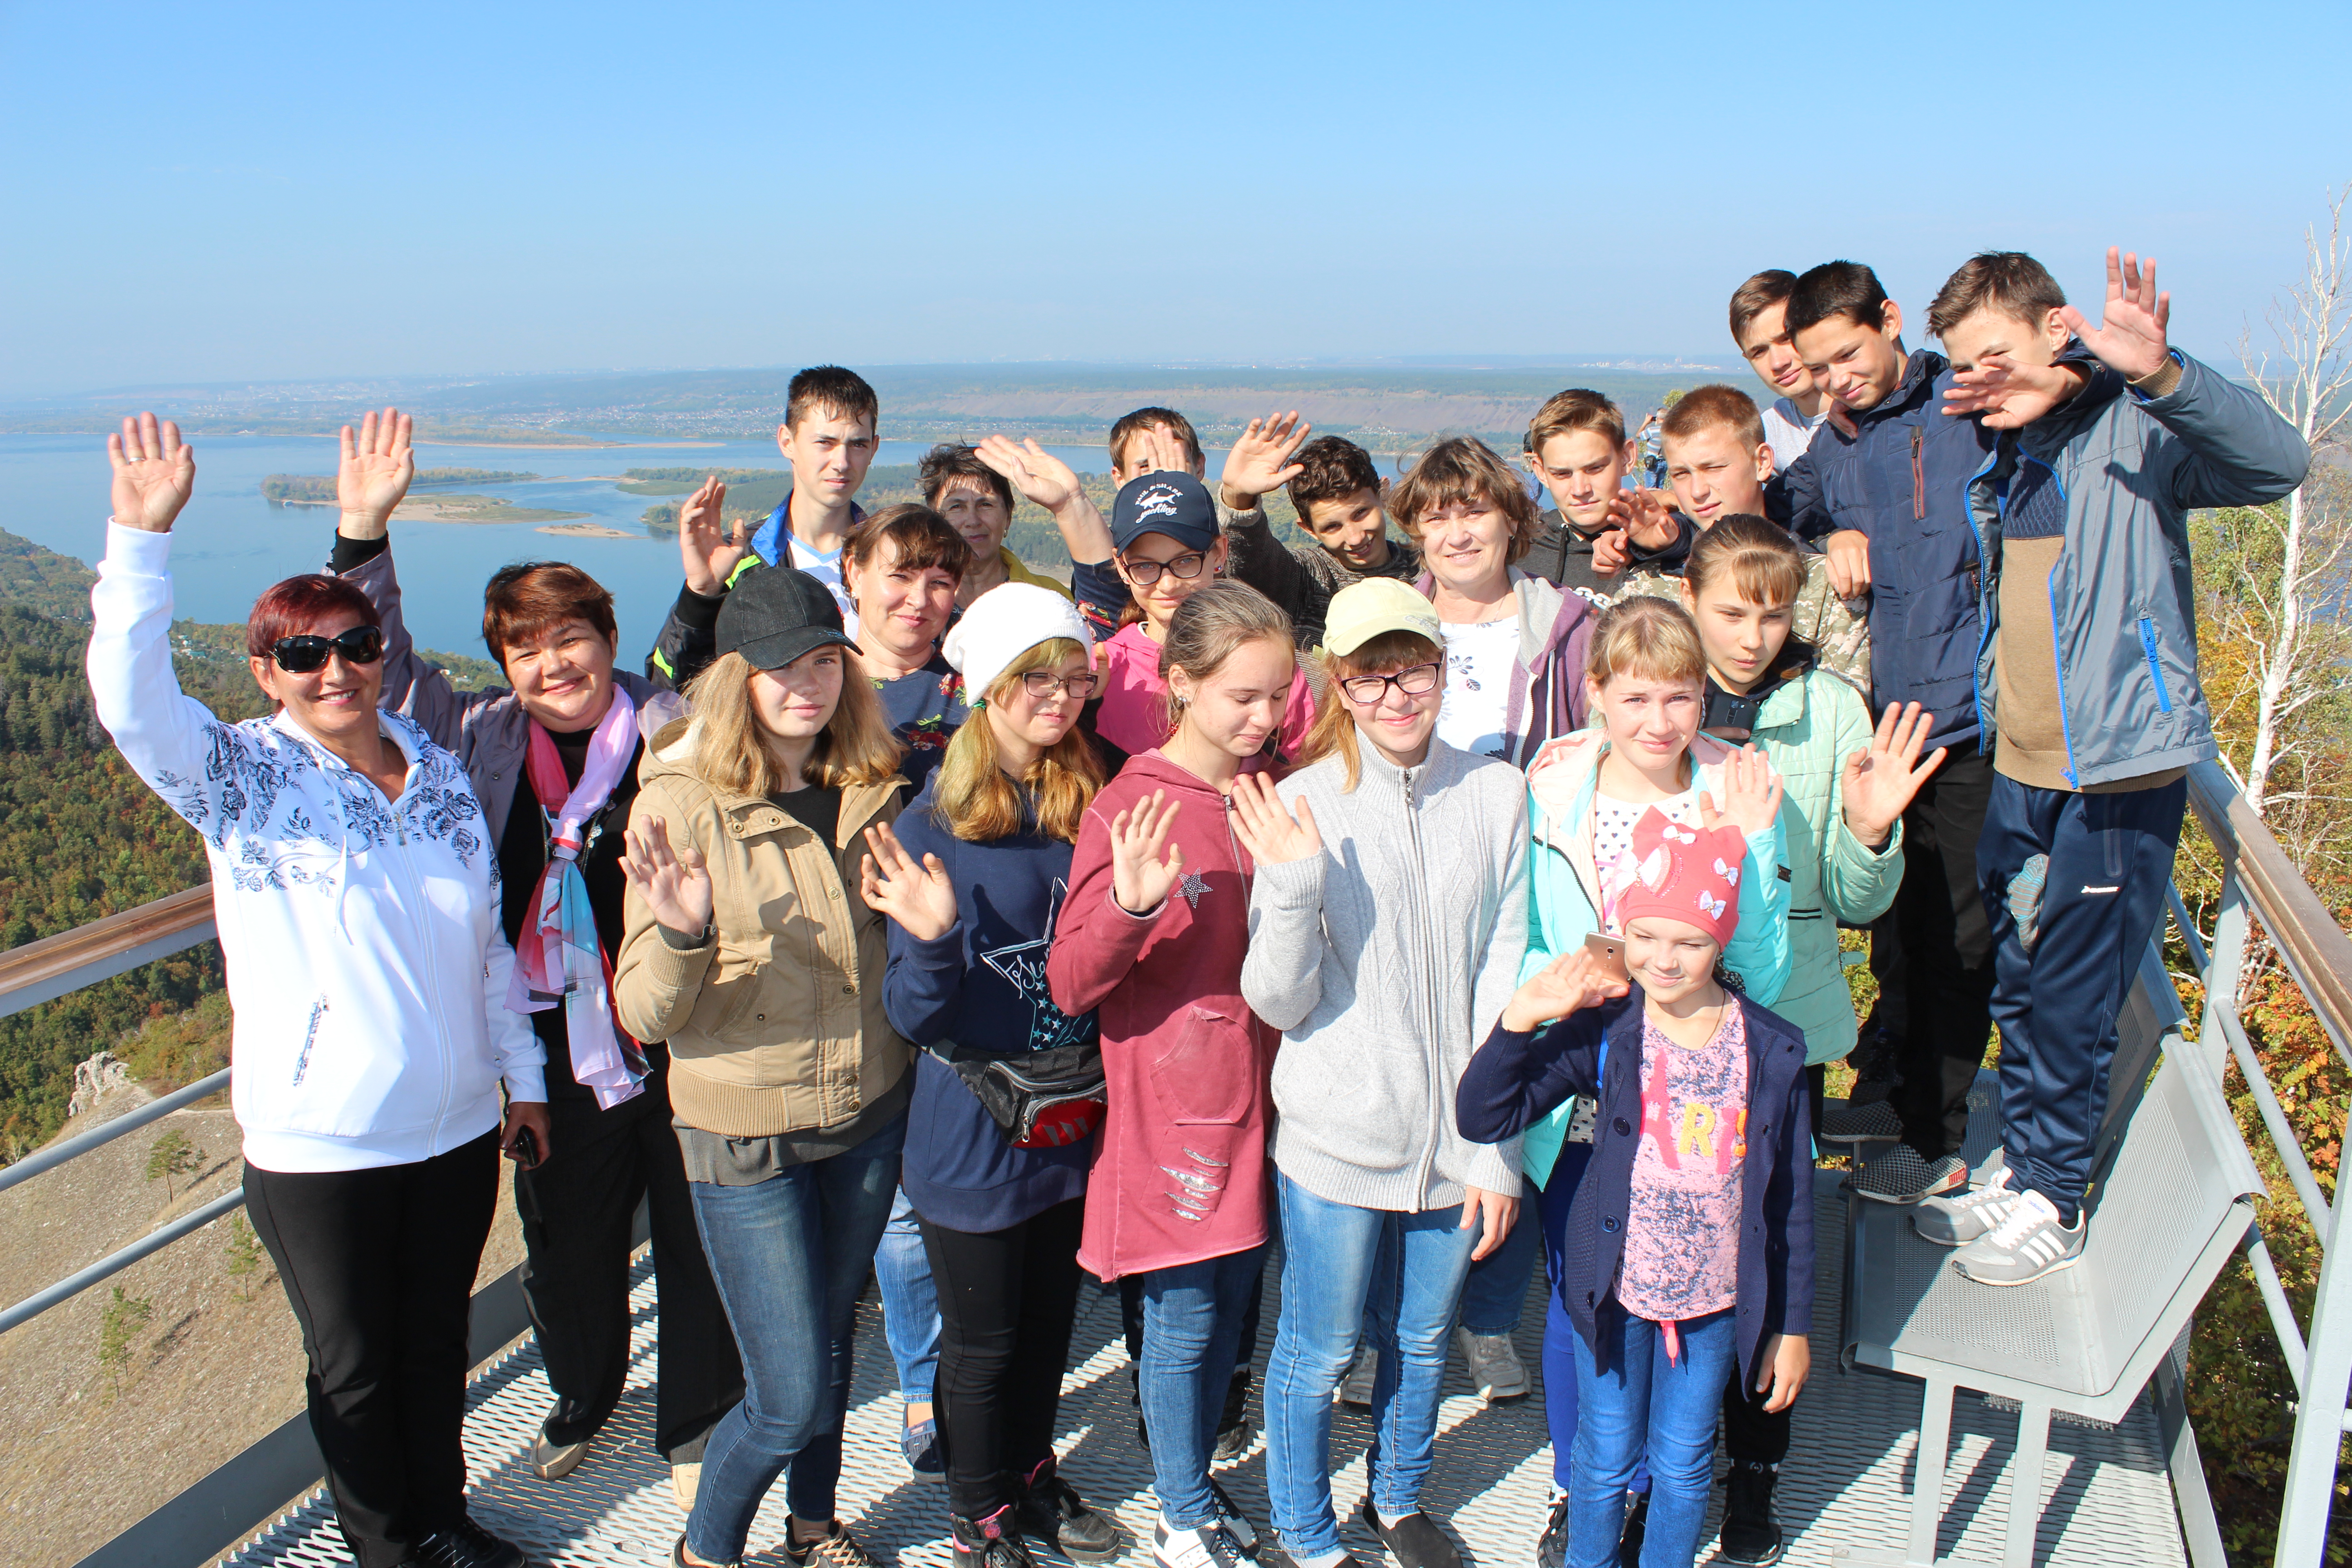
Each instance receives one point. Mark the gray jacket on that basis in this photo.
(2131, 468)
(1385, 961)
(488, 730)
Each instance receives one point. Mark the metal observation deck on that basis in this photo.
(2054, 1419)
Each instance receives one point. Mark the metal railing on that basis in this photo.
(2258, 882)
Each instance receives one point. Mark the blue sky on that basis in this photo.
(304, 191)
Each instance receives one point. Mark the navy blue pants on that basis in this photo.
(2110, 858)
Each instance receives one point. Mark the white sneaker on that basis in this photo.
(685, 1480)
(1496, 1371)
(1356, 1388)
(2028, 1243)
(1959, 1219)
(1206, 1547)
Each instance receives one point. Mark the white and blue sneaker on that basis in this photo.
(2027, 1243)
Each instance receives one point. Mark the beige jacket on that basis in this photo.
(776, 1024)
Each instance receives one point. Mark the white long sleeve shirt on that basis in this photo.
(367, 968)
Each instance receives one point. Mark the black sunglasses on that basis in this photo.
(301, 655)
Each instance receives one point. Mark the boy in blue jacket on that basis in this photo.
(2088, 679)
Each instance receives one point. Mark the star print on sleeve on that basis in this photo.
(1023, 965)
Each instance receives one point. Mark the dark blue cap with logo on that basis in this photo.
(1168, 502)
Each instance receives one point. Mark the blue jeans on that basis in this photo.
(910, 1310)
(1497, 1287)
(1192, 1324)
(1336, 1258)
(1645, 1403)
(789, 1256)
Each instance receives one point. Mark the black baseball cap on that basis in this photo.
(778, 614)
(1165, 501)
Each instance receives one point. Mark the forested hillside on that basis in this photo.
(81, 837)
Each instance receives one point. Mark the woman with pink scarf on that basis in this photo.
(553, 759)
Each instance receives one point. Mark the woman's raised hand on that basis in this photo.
(919, 897)
(673, 881)
(153, 473)
(1573, 981)
(1271, 835)
(1751, 794)
(1140, 879)
(705, 547)
(1882, 779)
(374, 473)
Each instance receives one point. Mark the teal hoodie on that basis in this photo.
(1564, 898)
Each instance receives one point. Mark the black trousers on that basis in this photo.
(1007, 1299)
(379, 1266)
(577, 1208)
(1947, 941)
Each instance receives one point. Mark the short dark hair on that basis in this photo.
(1714, 406)
(830, 389)
(1130, 425)
(2009, 282)
(289, 608)
(1333, 468)
(1757, 295)
(924, 539)
(949, 461)
(1845, 288)
(531, 596)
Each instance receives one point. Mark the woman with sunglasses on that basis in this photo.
(357, 900)
(1386, 928)
(553, 756)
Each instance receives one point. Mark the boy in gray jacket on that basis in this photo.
(2087, 677)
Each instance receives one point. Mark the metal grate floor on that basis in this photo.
(1845, 1484)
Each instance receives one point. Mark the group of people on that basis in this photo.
(1422, 904)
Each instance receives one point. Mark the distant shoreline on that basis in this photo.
(587, 531)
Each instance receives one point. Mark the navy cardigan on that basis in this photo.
(1517, 1079)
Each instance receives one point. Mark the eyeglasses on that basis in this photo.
(1144, 573)
(1043, 684)
(308, 652)
(1413, 681)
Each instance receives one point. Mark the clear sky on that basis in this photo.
(302, 191)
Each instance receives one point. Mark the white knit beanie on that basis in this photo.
(1006, 623)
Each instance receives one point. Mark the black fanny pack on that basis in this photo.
(1041, 1100)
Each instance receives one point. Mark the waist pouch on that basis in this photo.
(1040, 1100)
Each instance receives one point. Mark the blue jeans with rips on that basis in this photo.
(1646, 1404)
(789, 1256)
(1337, 1262)
(1192, 1324)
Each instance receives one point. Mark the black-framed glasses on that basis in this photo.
(1413, 681)
(1144, 573)
(308, 652)
(1043, 684)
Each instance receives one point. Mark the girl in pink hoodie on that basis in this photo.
(1151, 939)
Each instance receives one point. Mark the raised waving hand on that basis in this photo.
(1573, 981)
(1271, 835)
(374, 472)
(674, 882)
(1037, 474)
(708, 549)
(920, 898)
(1751, 794)
(1140, 879)
(1260, 461)
(1882, 778)
(154, 473)
(2131, 339)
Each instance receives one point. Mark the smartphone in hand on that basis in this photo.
(523, 1149)
(1609, 955)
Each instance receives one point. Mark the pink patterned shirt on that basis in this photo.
(1682, 1228)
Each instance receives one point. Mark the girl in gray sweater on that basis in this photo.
(1386, 929)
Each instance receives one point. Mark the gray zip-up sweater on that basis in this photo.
(1385, 961)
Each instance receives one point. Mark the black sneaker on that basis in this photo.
(1751, 1536)
(1637, 1524)
(1551, 1546)
(468, 1545)
(1415, 1540)
(1233, 1520)
(836, 1548)
(991, 1543)
(1051, 1510)
(1900, 1177)
(1236, 1431)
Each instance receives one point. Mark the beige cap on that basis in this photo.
(1362, 611)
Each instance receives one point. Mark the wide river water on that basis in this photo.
(232, 544)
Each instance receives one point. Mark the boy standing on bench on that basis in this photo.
(2088, 680)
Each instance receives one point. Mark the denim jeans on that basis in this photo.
(1644, 1403)
(910, 1310)
(1191, 1323)
(1337, 1258)
(1497, 1287)
(789, 1256)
